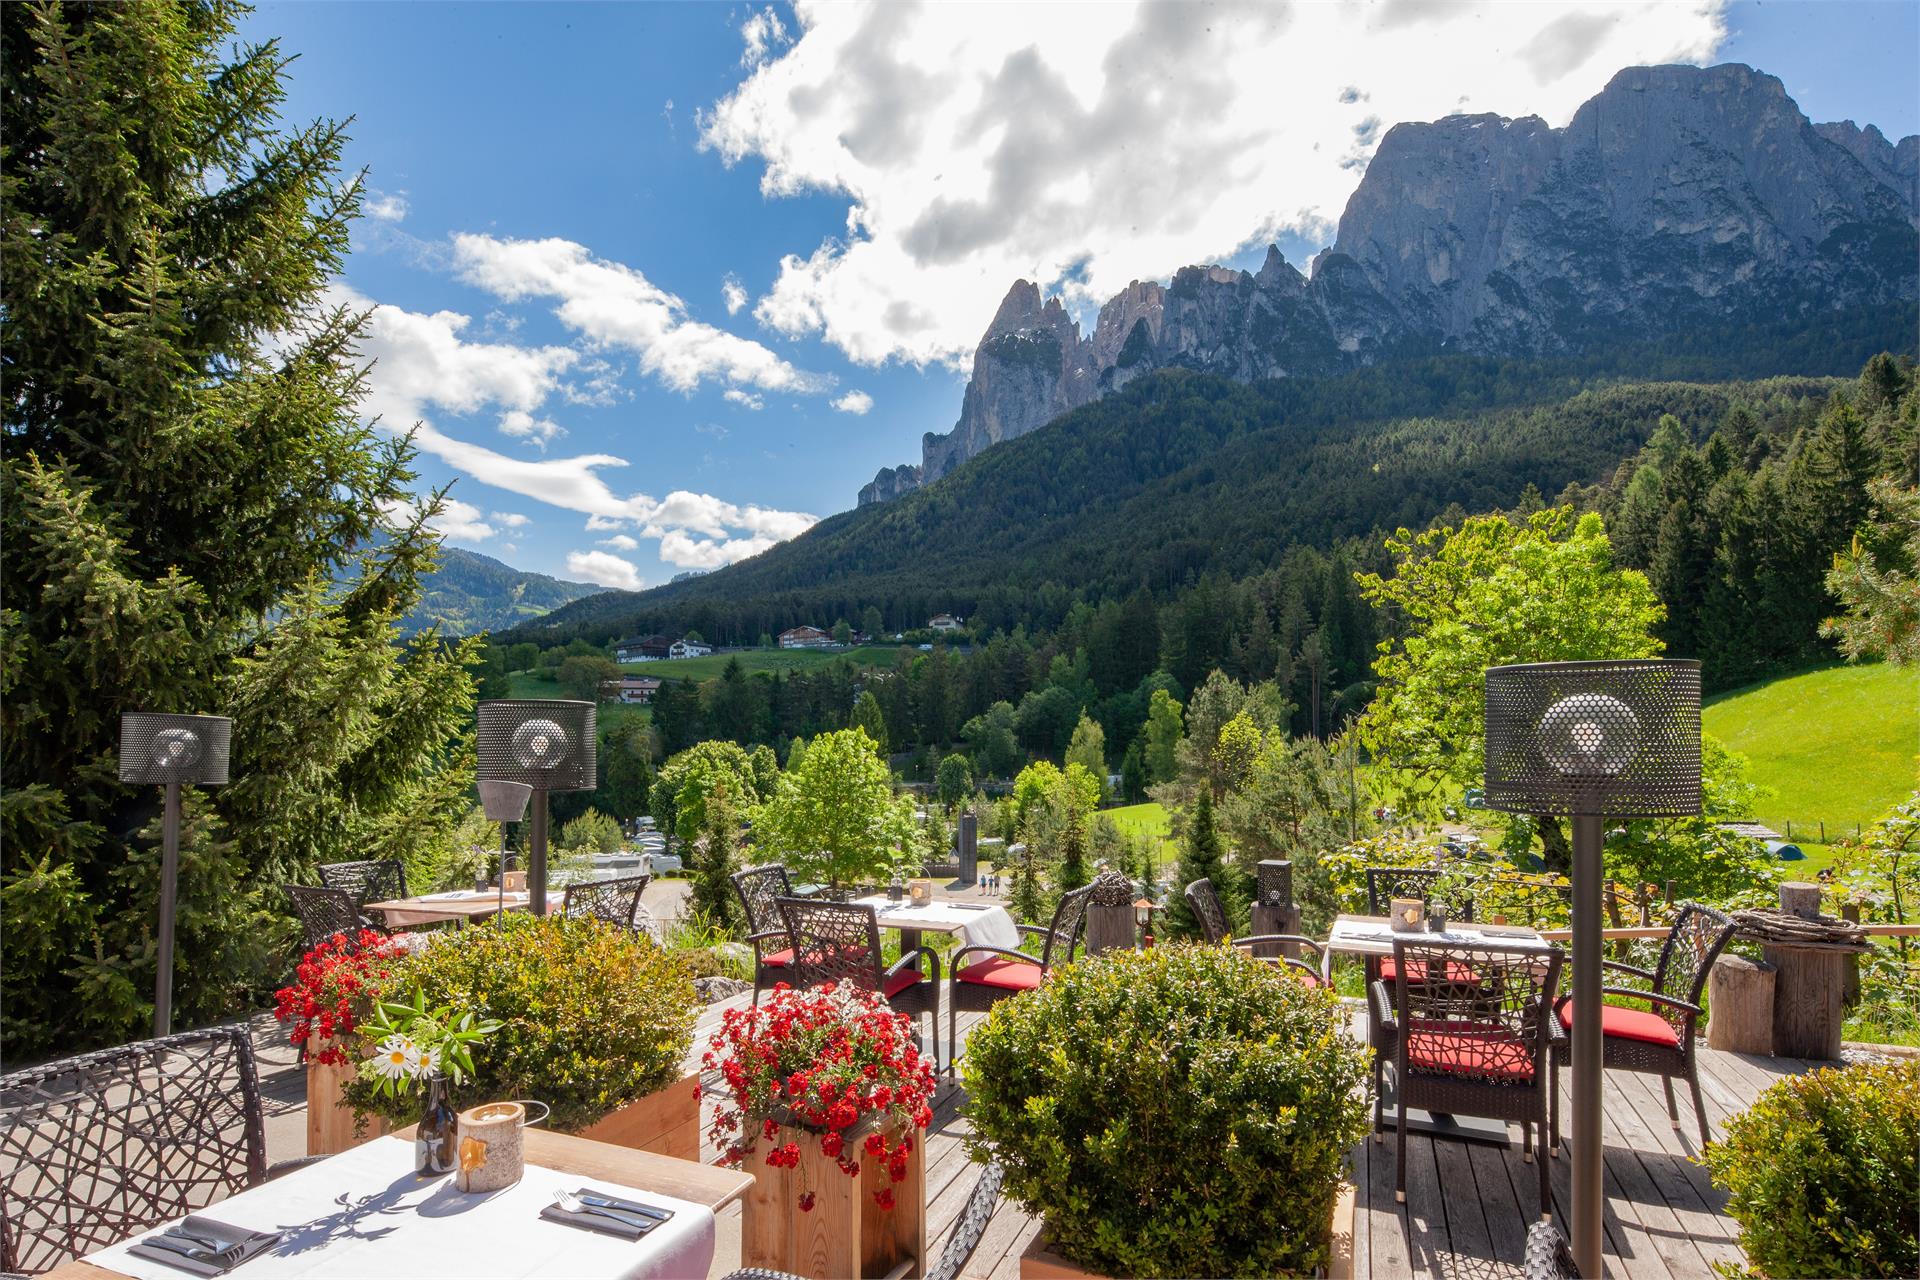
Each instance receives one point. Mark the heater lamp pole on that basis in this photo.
(537, 854)
(1589, 1142)
(169, 877)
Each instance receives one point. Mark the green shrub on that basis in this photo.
(592, 1017)
(1182, 1111)
(592, 832)
(1821, 1173)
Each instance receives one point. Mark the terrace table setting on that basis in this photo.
(977, 920)
(1373, 936)
(463, 905)
(365, 1212)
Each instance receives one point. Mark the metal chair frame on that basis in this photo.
(840, 942)
(1698, 936)
(615, 901)
(1500, 1024)
(760, 889)
(98, 1147)
(324, 912)
(1057, 943)
(370, 880)
(1213, 923)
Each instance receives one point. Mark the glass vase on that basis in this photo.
(433, 1141)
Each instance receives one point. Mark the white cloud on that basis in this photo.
(1085, 146)
(621, 542)
(745, 399)
(421, 362)
(511, 519)
(855, 402)
(616, 306)
(604, 569)
(761, 33)
(387, 207)
(457, 521)
(523, 425)
(733, 293)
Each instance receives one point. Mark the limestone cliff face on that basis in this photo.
(1677, 197)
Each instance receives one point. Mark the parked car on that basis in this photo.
(660, 864)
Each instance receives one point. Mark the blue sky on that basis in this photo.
(667, 281)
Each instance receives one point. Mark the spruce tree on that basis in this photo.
(1073, 847)
(192, 518)
(713, 859)
(1200, 858)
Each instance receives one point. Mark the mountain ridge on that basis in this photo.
(468, 593)
(1675, 197)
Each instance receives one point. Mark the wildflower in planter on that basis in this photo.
(836, 1063)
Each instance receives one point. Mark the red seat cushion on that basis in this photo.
(900, 982)
(1457, 971)
(1463, 1048)
(1307, 979)
(777, 959)
(1629, 1024)
(1008, 975)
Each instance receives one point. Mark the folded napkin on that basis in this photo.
(991, 928)
(185, 1246)
(608, 1215)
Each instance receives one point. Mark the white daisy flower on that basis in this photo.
(397, 1058)
(426, 1061)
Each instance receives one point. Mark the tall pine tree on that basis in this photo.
(191, 519)
(1200, 857)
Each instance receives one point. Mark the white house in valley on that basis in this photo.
(684, 648)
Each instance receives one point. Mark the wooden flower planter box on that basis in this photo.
(665, 1122)
(330, 1121)
(1042, 1263)
(846, 1234)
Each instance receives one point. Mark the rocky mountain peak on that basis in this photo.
(1678, 199)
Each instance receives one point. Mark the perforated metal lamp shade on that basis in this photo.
(547, 744)
(160, 748)
(1594, 740)
(1619, 739)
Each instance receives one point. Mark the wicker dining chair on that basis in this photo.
(1213, 923)
(101, 1146)
(840, 942)
(979, 977)
(615, 902)
(759, 888)
(370, 880)
(323, 912)
(1476, 1047)
(1660, 1042)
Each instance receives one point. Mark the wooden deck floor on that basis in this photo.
(1468, 1205)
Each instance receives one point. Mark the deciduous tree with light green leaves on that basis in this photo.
(1489, 593)
(193, 518)
(1088, 749)
(835, 819)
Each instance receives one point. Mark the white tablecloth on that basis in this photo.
(938, 916)
(364, 1213)
(1357, 937)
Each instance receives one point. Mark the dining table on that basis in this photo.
(939, 915)
(1372, 938)
(463, 905)
(365, 1212)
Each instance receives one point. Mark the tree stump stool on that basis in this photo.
(1740, 1004)
(1808, 992)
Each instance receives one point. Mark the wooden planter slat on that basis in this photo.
(330, 1121)
(846, 1234)
(665, 1122)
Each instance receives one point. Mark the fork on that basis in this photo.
(574, 1204)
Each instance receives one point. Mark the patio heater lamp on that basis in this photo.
(172, 751)
(504, 802)
(547, 745)
(1592, 740)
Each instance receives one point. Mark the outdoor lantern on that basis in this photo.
(1592, 740)
(171, 751)
(504, 802)
(546, 745)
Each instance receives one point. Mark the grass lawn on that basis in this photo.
(1145, 820)
(752, 660)
(523, 684)
(1836, 745)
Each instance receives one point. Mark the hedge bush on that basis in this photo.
(1821, 1173)
(1182, 1111)
(592, 1017)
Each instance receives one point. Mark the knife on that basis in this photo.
(623, 1206)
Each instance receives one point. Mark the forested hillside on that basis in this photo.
(1184, 474)
(468, 593)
